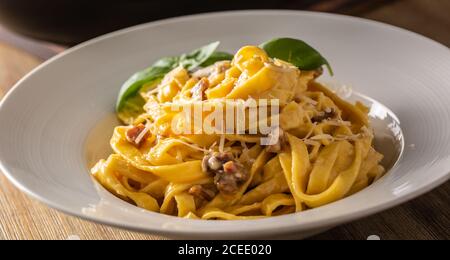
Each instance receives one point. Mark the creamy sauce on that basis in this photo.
(97, 142)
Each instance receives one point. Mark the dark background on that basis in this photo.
(69, 22)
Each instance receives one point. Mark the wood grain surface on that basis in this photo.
(427, 217)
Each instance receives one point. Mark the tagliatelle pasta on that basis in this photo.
(322, 151)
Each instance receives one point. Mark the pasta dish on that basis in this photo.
(322, 151)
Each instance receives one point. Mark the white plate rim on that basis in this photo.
(357, 214)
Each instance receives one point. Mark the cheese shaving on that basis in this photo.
(322, 136)
(221, 143)
(309, 100)
(143, 133)
(193, 146)
(337, 123)
(311, 142)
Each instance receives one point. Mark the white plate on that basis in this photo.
(46, 119)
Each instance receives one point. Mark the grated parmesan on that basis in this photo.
(344, 91)
(337, 123)
(212, 146)
(221, 143)
(322, 136)
(179, 156)
(310, 131)
(310, 142)
(143, 132)
(277, 68)
(347, 137)
(309, 100)
(193, 146)
(244, 145)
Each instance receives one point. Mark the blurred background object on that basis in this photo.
(25, 23)
(70, 22)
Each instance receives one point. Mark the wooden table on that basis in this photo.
(427, 217)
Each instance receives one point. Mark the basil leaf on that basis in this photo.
(194, 59)
(128, 100)
(215, 57)
(168, 62)
(297, 52)
(132, 108)
(132, 86)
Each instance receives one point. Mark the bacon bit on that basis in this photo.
(204, 192)
(228, 174)
(280, 145)
(137, 134)
(226, 183)
(230, 167)
(329, 113)
(214, 162)
(198, 91)
(276, 148)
